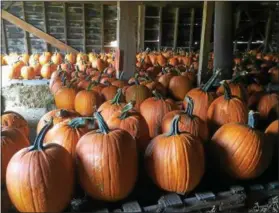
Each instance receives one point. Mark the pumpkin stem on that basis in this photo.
(252, 119)
(79, 122)
(101, 123)
(92, 83)
(174, 126)
(116, 99)
(157, 95)
(190, 106)
(210, 82)
(62, 113)
(38, 144)
(137, 79)
(227, 90)
(126, 109)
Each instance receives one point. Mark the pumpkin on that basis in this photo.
(188, 122)
(226, 109)
(12, 140)
(58, 115)
(179, 86)
(109, 107)
(43, 172)
(161, 60)
(27, 72)
(107, 162)
(45, 58)
(274, 74)
(165, 78)
(34, 58)
(87, 101)
(67, 133)
(109, 92)
(153, 110)
(65, 97)
(58, 81)
(15, 120)
(46, 70)
(37, 68)
(254, 87)
(272, 134)
(241, 150)
(202, 97)
(82, 57)
(14, 69)
(25, 58)
(133, 122)
(175, 161)
(56, 58)
(70, 58)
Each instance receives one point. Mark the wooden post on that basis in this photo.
(160, 28)
(176, 27)
(126, 36)
(267, 31)
(141, 27)
(3, 32)
(192, 29)
(45, 24)
(65, 22)
(26, 34)
(237, 20)
(208, 8)
(102, 27)
(84, 28)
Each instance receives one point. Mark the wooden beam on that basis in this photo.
(3, 32)
(267, 31)
(36, 32)
(102, 27)
(160, 28)
(141, 27)
(191, 37)
(45, 23)
(83, 29)
(237, 20)
(176, 21)
(26, 34)
(65, 22)
(208, 8)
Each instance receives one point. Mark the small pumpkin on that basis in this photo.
(65, 97)
(28, 72)
(175, 161)
(109, 92)
(57, 58)
(107, 162)
(47, 69)
(70, 58)
(45, 58)
(42, 172)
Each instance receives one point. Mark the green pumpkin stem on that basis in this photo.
(252, 119)
(92, 84)
(157, 95)
(210, 82)
(71, 83)
(101, 123)
(227, 90)
(174, 126)
(38, 144)
(190, 106)
(137, 79)
(126, 109)
(79, 122)
(116, 99)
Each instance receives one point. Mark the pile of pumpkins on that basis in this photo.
(104, 125)
(27, 66)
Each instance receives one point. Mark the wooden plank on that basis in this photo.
(36, 32)
(84, 29)
(267, 31)
(191, 37)
(3, 32)
(237, 20)
(208, 8)
(176, 20)
(26, 34)
(160, 28)
(141, 27)
(45, 23)
(102, 27)
(65, 22)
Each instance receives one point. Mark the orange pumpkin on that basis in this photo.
(82, 57)
(56, 58)
(42, 172)
(107, 162)
(70, 58)
(65, 97)
(46, 70)
(25, 58)
(175, 161)
(274, 74)
(179, 86)
(109, 92)
(28, 72)
(14, 70)
(45, 58)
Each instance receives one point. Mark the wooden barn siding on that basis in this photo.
(79, 25)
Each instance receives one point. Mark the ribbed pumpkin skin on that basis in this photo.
(202, 102)
(268, 107)
(137, 93)
(65, 136)
(109, 92)
(107, 164)
(252, 88)
(194, 125)
(107, 109)
(175, 163)
(135, 124)
(179, 86)
(57, 117)
(87, 102)
(273, 128)
(65, 98)
(15, 120)
(12, 140)
(40, 181)
(153, 111)
(236, 90)
(244, 153)
(222, 111)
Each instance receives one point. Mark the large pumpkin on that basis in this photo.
(179, 86)
(107, 162)
(175, 161)
(15, 120)
(202, 97)
(65, 97)
(241, 151)
(153, 109)
(12, 140)
(188, 122)
(133, 122)
(40, 178)
(226, 109)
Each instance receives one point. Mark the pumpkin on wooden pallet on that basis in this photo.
(107, 162)
(40, 178)
(175, 161)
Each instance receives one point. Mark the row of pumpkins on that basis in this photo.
(103, 123)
